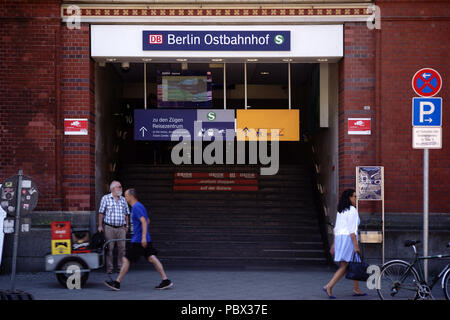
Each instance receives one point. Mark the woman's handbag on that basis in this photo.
(356, 269)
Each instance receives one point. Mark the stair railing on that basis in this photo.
(319, 193)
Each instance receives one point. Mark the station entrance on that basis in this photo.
(226, 215)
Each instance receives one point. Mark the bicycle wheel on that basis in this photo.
(446, 286)
(395, 283)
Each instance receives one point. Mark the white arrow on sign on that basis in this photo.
(142, 130)
(422, 105)
(429, 120)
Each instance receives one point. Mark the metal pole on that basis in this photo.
(425, 210)
(245, 85)
(16, 231)
(289, 84)
(224, 85)
(145, 86)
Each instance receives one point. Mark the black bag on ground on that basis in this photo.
(357, 269)
(97, 241)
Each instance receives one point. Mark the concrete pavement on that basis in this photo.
(302, 284)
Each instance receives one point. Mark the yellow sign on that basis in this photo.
(268, 124)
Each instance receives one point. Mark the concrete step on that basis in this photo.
(164, 235)
(238, 262)
(275, 225)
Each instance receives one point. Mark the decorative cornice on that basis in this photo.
(98, 12)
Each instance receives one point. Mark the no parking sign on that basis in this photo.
(427, 110)
(427, 82)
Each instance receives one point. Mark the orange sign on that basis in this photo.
(268, 125)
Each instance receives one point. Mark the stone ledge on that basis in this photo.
(405, 221)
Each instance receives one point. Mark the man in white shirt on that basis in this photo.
(114, 214)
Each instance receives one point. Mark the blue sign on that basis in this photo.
(427, 112)
(158, 124)
(216, 40)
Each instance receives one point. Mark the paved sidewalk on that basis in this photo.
(208, 284)
(139, 283)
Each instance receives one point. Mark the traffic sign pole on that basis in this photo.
(427, 82)
(425, 210)
(16, 232)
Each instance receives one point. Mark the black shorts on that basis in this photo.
(135, 250)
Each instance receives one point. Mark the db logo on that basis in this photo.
(155, 38)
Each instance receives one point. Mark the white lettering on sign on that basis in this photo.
(188, 39)
(422, 111)
(236, 40)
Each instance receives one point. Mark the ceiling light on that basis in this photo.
(217, 60)
(111, 59)
(147, 59)
(287, 60)
(181, 60)
(322, 60)
(264, 73)
(252, 60)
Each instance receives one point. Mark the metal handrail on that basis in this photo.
(102, 254)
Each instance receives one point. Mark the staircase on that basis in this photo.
(275, 226)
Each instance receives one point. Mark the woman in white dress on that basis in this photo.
(345, 240)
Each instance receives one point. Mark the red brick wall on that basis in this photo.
(28, 94)
(356, 90)
(46, 75)
(413, 35)
(77, 101)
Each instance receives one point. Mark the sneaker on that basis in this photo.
(165, 284)
(113, 285)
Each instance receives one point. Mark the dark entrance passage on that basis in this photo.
(220, 215)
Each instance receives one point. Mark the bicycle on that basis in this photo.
(402, 280)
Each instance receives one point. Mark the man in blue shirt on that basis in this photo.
(141, 244)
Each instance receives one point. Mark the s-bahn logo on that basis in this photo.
(279, 39)
(155, 38)
(211, 116)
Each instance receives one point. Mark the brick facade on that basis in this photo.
(77, 101)
(29, 36)
(356, 90)
(412, 36)
(46, 75)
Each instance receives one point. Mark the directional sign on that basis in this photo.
(159, 124)
(427, 82)
(427, 112)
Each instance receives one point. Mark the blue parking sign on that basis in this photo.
(427, 112)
